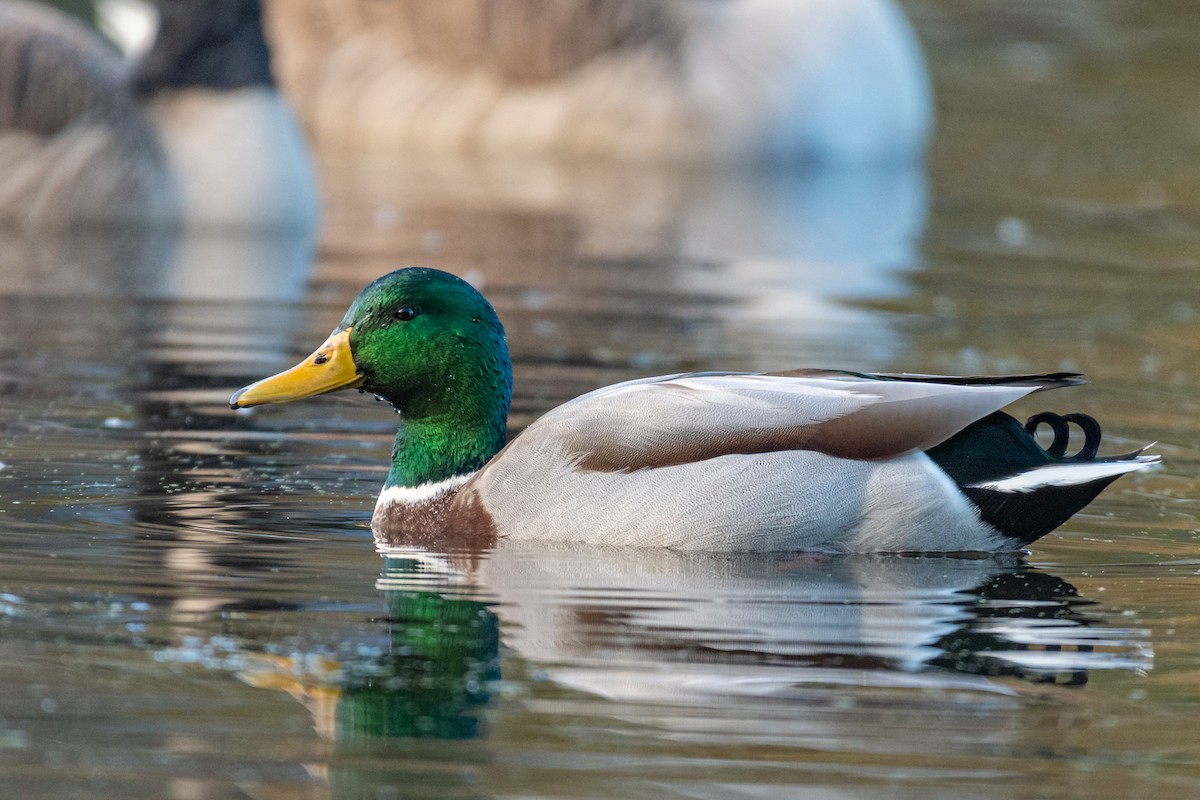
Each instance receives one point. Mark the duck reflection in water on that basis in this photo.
(429, 677)
(650, 629)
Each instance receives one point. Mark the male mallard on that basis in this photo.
(801, 460)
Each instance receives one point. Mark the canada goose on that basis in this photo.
(194, 133)
(683, 80)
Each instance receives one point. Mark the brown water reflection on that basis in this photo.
(190, 603)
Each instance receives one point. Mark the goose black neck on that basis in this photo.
(210, 44)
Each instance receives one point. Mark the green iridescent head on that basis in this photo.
(432, 346)
(421, 337)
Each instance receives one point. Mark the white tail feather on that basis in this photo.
(1066, 474)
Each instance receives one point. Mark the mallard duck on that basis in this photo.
(674, 80)
(804, 460)
(195, 133)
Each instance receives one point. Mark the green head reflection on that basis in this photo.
(444, 655)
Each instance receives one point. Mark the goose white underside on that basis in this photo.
(238, 158)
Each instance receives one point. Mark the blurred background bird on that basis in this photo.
(818, 80)
(193, 133)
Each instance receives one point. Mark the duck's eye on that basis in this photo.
(405, 314)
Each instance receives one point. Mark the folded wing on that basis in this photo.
(686, 418)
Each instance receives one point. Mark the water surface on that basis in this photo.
(191, 605)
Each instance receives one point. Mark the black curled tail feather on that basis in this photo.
(998, 447)
(1060, 425)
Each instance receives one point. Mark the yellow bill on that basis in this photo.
(330, 368)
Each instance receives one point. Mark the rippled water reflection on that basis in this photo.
(190, 600)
